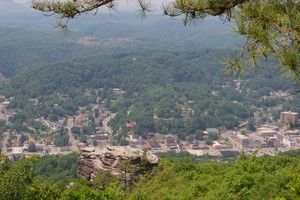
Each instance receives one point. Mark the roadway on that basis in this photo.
(72, 140)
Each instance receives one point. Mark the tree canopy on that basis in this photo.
(271, 26)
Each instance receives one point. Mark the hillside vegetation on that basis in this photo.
(248, 178)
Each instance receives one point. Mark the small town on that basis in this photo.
(268, 139)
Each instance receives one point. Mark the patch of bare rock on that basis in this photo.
(116, 159)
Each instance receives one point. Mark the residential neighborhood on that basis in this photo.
(268, 139)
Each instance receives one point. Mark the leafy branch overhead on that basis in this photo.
(69, 9)
(192, 9)
(272, 27)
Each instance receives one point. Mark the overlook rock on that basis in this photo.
(93, 160)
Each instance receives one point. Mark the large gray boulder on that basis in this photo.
(93, 160)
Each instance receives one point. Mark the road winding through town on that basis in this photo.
(73, 141)
(106, 127)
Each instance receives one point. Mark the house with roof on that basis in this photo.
(171, 142)
(181, 146)
(81, 145)
(212, 130)
(195, 145)
(155, 145)
(146, 146)
(15, 143)
(229, 153)
(217, 145)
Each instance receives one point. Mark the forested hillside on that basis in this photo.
(21, 49)
(178, 92)
(28, 40)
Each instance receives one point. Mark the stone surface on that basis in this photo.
(94, 160)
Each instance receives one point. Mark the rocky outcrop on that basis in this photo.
(93, 160)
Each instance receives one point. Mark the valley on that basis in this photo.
(82, 110)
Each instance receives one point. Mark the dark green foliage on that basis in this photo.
(82, 138)
(56, 167)
(172, 155)
(17, 181)
(104, 179)
(251, 178)
(23, 138)
(32, 147)
(61, 140)
(293, 153)
(3, 125)
(293, 105)
(75, 130)
(37, 125)
(81, 191)
(250, 125)
(53, 117)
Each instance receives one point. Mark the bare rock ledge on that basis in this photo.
(93, 160)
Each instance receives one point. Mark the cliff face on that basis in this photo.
(114, 159)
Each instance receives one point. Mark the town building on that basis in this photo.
(171, 142)
(291, 133)
(217, 145)
(118, 91)
(229, 153)
(267, 133)
(289, 118)
(242, 141)
(154, 146)
(289, 142)
(195, 145)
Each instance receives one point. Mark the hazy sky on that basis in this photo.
(25, 2)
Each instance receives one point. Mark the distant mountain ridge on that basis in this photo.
(28, 40)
